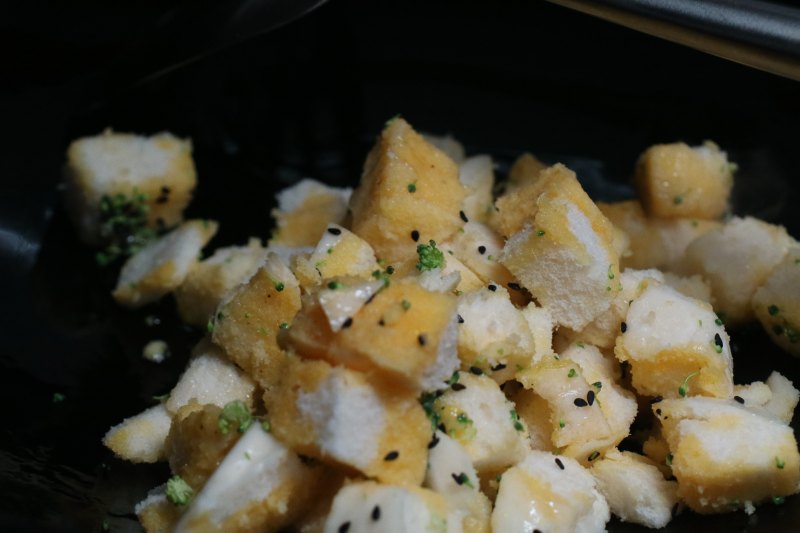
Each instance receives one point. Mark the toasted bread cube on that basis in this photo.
(549, 493)
(777, 303)
(337, 415)
(156, 513)
(524, 170)
(451, 474)
(784, 397)
(565, 257)
(160, 267)
(635, 489)
(477, 176)
(493, 335)
(528, 178)
(409, 193)
(338, 253)
(675, 343)
(140, 438)
(588, 412)
(260, 483)
(205, 285)
(210, 378)
(406, 333)
(475, 413)
(159, 167)
(737, 259)
(399, 510)
(713, 457)
(676, 180)
(247, 322)
(479, 248)
(305, 210)
(447, 144)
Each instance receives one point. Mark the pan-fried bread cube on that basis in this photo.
(156, 513)
(693, 286)
(676, 180)
(140, 438)
(343, 301)
(305, 210)
(210, 378)
(672, 343)
(368, 507)
(260, 483)
(451, 474)
(777, 303)
(405, 333)
(159, 167)
(162, 265)
(535, 412)
(565, 257)
(449, 145)
(247, 322)
(339, 416)
(549, 493)
(409, 193)
(475, 413)
(493, 335)
(755, 394)
(524, 170)
(479, 248)
(653, 242)
(339, 252)
(205, 285)
(635, 489)
(540, 324)
(737, 259)
(477, 176)
(713, 457)
(784, 397)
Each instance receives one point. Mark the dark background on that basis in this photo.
(306, 100)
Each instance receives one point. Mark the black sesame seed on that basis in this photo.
(656, 399)
(718, 340)
(460, 319)
(422, 339)
(369, 300)
(415, 235)
(162, 199)
(498, 366)
(481, 249)
(376, 513)
(165, 190)
(347, 323)
(391, 456)
(463, 216)
(475, 370)
(434, 441)
(580, 402)
(381, 322)
(658, 412)
(623, 327)
(458, 386)
(514, 286)
(537, 531)
(590, 397)
(441, 428)
(460, 479)
(334, 231)
(390, 270)
(739, 399)
(344, 528)
(559, 463)
(492, 288)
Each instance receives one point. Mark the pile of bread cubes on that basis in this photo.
(424, 353)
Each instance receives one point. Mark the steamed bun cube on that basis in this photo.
(368, 507)
(713, 455)
(208, 283)
(162, 265)
(493, 335)
(676, 180)
(451, 474)
(565, 257)
(159, 167)
(675, 236)
(409, 193)
(210, 378)
(477, 176)
(156, 513)
(338, 253)
(635, 489)
(140, 438)
(247, 322)
(753, 394)
(777, 303)
(518, 203)
(260, 483)
(305, 210)
(339, 416)
(549, 493)
(737, 259)
(195, 445)
(693, 286)
(475, 413)
(540, 324)
(675, 343)
(468, 280)
(447, 144)
(784, 397)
